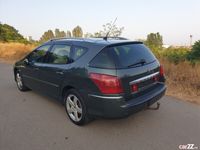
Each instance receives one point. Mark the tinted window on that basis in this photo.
(131, 55)
(78, 52)
(123, 56)
(60, 54)
(39, 54)
(103, 60)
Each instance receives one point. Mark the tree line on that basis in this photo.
(10, 34)
(174, 54)
(78, 32)
(154, 40)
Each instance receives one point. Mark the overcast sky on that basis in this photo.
(174, 19)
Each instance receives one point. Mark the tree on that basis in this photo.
(194, 55)
(59, 33)
(62, 34)
(113, 30)
(30, 39)
(97, 34)
(47, 36)
(154, 40)
(68, 34)
(77, 32)
(88, 35)
(9, 33)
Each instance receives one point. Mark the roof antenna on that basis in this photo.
(106, 37)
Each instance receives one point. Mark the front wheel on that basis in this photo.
(20, 83)
(75, 107)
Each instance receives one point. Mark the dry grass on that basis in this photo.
(14, 51)
(183, 80)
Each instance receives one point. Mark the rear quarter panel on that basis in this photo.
(77, 73)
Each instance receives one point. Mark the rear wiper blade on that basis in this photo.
(140, 62)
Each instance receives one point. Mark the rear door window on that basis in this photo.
(78, 52)
(59, 54)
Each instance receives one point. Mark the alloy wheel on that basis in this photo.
(74, 108)
(19, 81)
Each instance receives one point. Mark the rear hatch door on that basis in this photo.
(135, 64)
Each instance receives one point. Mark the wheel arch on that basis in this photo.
(15, 72)
(65, 89)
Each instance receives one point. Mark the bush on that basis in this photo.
(183, 80)
(194, 55)
(175, 55)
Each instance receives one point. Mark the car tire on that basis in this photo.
(75, 107)
(20, 83)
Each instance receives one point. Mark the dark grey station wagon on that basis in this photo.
(93, 77)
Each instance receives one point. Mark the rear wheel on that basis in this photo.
(20, 83)
(75, 107)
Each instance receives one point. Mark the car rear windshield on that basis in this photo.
(123, 56)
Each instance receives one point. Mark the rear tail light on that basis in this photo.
(161, 71)
(107, 84)
(134, 88)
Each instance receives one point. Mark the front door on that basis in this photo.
(30, 72)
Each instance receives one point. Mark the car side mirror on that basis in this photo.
(26, 61)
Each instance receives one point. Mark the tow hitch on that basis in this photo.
(155, 107)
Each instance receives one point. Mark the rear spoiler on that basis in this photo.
(124, 43)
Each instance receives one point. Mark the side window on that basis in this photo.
(78, 52)
(60, 54)
(103, 60)
(39, 54)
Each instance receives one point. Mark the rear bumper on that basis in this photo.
(117, 106)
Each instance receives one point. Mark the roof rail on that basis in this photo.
(113, 37)
(54, 39)
(77, 38)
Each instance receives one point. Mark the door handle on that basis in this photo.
(60, 72)
(36, 68)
